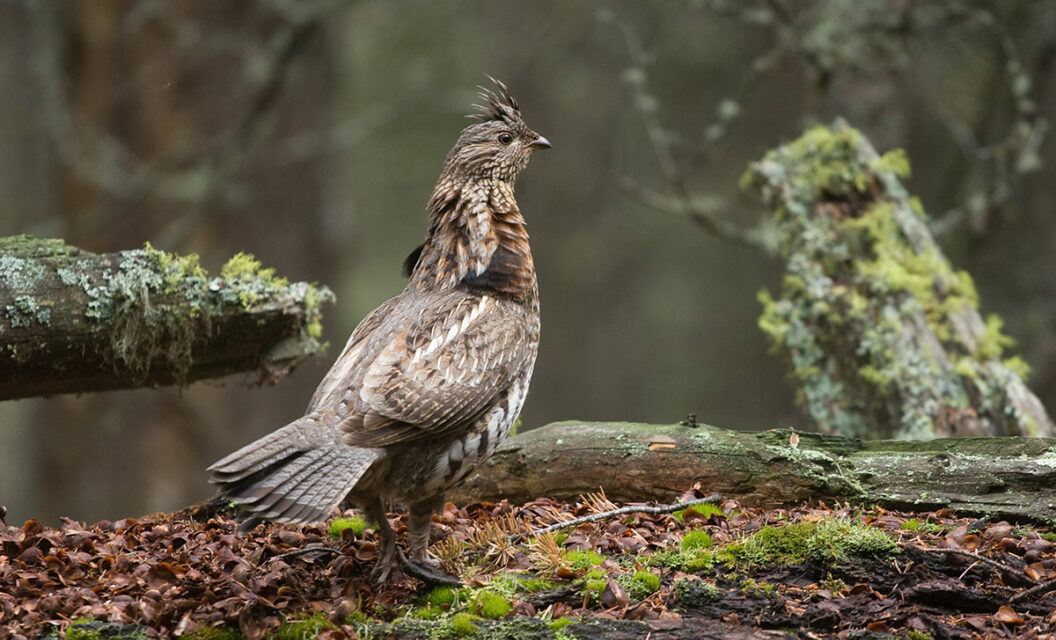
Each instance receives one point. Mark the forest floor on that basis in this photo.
(714, 570)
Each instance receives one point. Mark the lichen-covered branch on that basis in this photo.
(1005, 477)
(73, 321)
(883, 336)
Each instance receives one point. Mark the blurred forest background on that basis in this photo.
(310, 133)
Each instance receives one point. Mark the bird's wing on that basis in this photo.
(336, 381)
(450, 364)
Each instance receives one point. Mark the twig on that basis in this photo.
(658, 510)
(1048, 585)
(1004, 568)
(679, 201)
(306, 550)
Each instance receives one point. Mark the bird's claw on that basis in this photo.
(425, 571)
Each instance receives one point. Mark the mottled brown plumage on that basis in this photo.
(431, 381)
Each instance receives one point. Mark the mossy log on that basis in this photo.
(1010, 477)
(73, 321)
(882, 335)
(520, 628)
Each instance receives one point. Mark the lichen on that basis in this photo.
(252, 279)
(155, 305)
(869, 320)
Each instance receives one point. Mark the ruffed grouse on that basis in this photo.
(431, 381)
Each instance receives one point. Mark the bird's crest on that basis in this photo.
(497, 105)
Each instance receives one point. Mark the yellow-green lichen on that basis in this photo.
(255, 281)
(870, 315)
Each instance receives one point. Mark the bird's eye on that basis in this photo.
(505, 138)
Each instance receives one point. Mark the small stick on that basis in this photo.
(1004, 568)
(1048, 585)
(658, 510)
(306, 550)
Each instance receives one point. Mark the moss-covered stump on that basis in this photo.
(1006, 477)
(882, 334)
(73, 321)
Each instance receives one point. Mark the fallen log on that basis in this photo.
(1009, 477)
(73, 321)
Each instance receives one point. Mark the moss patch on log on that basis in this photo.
(155, 307)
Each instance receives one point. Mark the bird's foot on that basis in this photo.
(427, 570)
(383, 565)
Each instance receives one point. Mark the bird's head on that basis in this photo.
(499, 145)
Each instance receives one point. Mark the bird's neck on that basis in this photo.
(477, 239)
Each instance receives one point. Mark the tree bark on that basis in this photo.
(882, 335)
(1009, 477)
(73, 321)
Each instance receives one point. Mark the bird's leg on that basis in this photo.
(374, 509)
(420, 517)
(420, 565)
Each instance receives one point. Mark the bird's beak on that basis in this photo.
(540, 143)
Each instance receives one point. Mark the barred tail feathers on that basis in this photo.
(290, 476)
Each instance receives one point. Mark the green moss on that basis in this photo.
(913, 634)
(583, 560)
(695, 541)
(641, 584)
(770, 546)
(462, 624)
(559, 624)
(442, 597)
(705, 510)
(88, 629)
(916, 525)
(828, 541)
(356, 525)
(304, 628)
(222, 632)
(696, 593)
(493, 606)
(755, 588)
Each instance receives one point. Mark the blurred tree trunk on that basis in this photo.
(165, 119)
(883, 336)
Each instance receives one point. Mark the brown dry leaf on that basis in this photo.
(1008, 615)
(614, 595)
(1035, 571)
